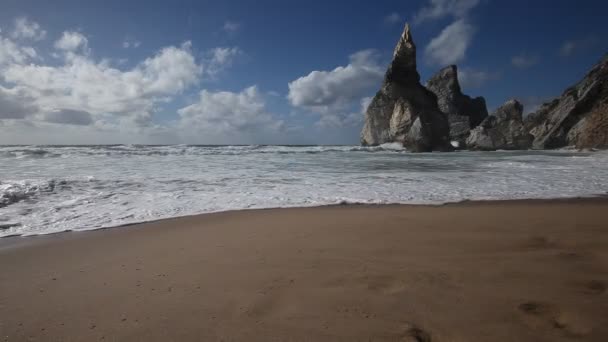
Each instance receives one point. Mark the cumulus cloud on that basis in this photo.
(322, 91)
(333, 94)
(130, 42)
(473, 78)
(71, 41)
(340, 119)
(68, 117)
(392, 18)
(26, 29)
(451, 45)
(231, 27)
(10, 52)
(437, 9)
(82, 91)
(228, 112)
(14, 104)
(523, 61)
(99, 88)
(221, 58)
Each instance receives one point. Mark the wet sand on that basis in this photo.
(487, 271)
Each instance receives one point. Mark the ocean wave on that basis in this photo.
(28, 153)
(92, 187)
(22, 152)
(13, 192)
(118, 151)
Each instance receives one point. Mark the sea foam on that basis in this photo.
(46, 189)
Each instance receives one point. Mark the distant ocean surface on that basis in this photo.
(46, 189)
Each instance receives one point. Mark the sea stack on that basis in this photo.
(463, 112)
(503, 130)
(403, 110)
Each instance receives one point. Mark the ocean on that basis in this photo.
(48, 189)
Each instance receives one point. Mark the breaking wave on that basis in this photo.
(22, 152)
(46, 189)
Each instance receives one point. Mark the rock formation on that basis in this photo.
(463, 112)
(503, 130)
(578, 118)
(403, 110)
(428, 119)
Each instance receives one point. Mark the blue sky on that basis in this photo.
(289, 72)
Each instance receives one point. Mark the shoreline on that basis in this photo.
(526, 270)
(578, 199)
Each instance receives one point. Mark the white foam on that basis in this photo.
(90, 187)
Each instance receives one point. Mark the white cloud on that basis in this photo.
(83, 91)
(10, 53)
(340, 120)
(450, 46)
(231, 26)
(14, 104)
(130, 42)
(570, 47)
(68, 117)
(40, 132)
(228, 112)
(26, 29)
(333, 94)
(321, 91)
(79, 99)
(220, 59)
(437, 9)
(524, 61)
(71, 41)
(472, 78)
(392, 18)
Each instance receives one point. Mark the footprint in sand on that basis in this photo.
(539, 314)
(595, 287)
(414, 333)
(540, 242)
(384, 284)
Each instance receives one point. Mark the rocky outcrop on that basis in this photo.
(503, 130)
(403, 110)
(578, 118)
(463, 112)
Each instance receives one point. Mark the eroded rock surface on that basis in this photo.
(503, 130)
(463, 112)
(579, 117)
(403, 110)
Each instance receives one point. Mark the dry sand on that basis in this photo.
(499, 271)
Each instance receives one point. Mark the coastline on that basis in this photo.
(528, 270)
(9, 239)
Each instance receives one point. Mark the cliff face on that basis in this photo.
(403, 110)
(429, 119)
(463, 112)
(578, 118)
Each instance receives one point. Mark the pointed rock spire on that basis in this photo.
(406, 43)
(403, 110)
(403, 67)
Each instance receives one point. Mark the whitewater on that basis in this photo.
(47, 189)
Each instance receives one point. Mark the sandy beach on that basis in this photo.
(493, 271)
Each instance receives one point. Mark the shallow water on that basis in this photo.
(46, 189)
